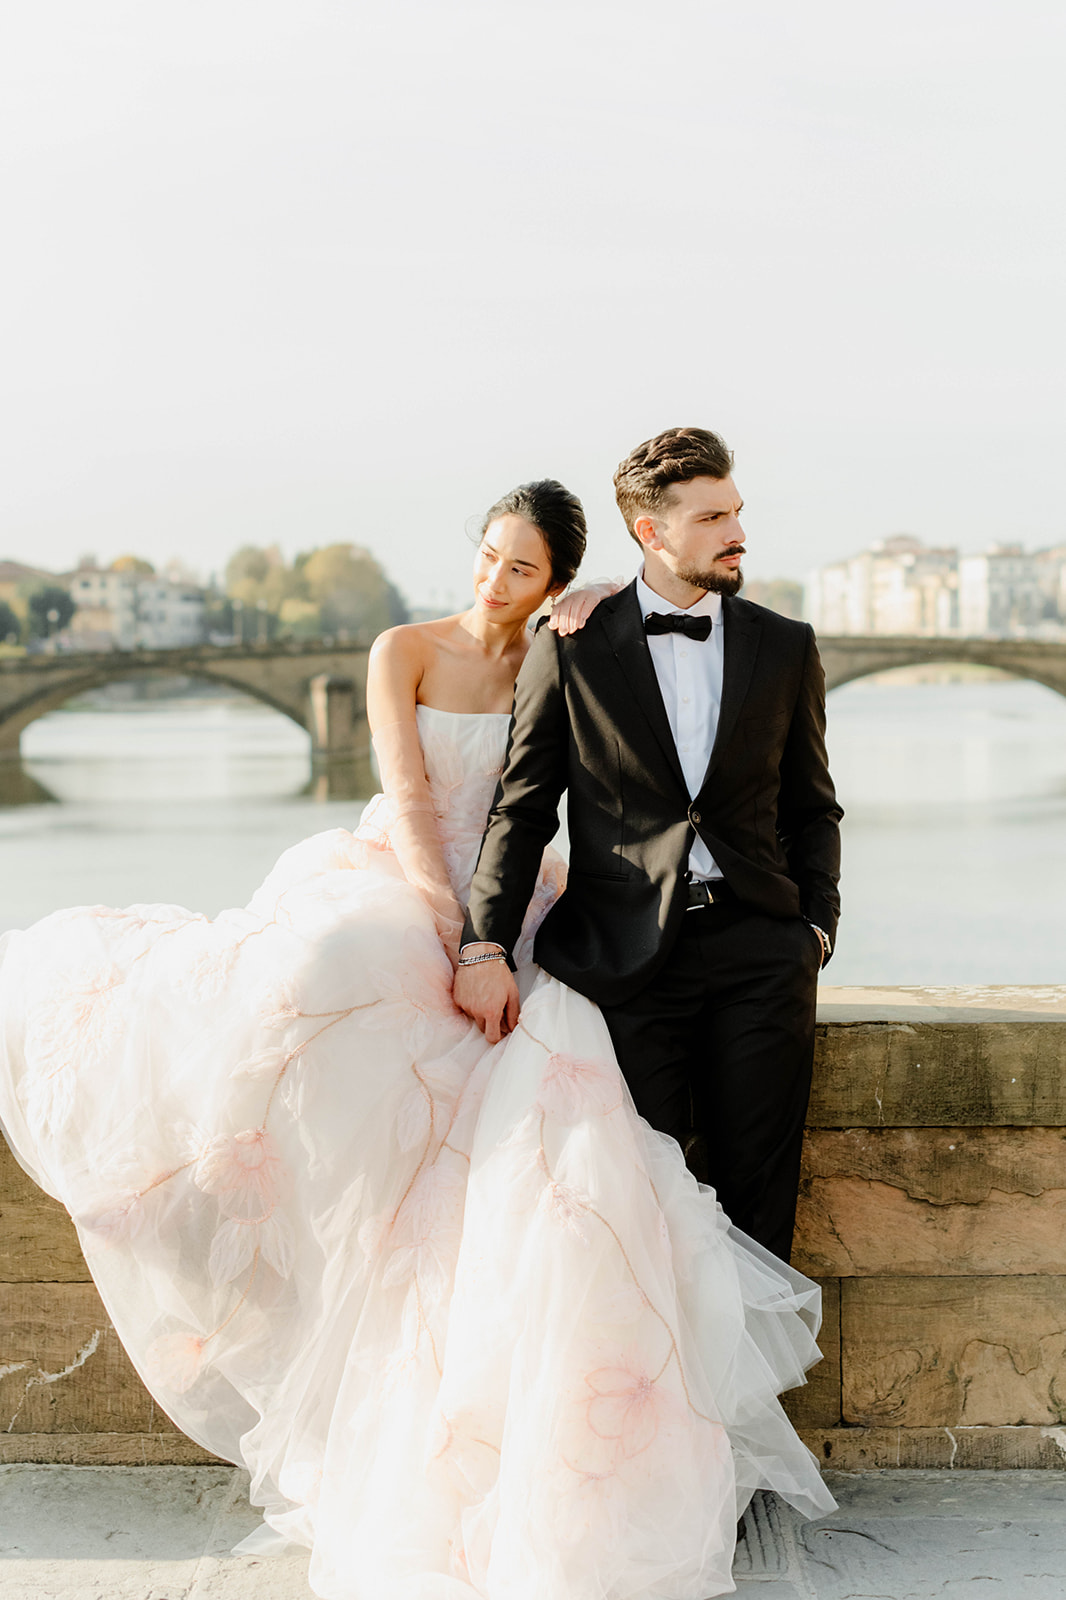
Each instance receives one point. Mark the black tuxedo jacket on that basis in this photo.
(589, 718)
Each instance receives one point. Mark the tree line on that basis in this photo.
(48, 610)
(337, 590)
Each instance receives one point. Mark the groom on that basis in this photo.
(687, 727)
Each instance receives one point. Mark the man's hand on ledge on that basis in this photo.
(487, 992)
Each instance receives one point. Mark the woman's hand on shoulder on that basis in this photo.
(571, 611)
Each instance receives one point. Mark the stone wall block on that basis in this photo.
(932, 1202)
(14, 1183)
(915, 1074)
(38, 1243)
(62, 1368)
(941, 1352)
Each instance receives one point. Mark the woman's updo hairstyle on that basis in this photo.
(557, 515)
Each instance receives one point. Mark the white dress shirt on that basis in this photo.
(690, 678)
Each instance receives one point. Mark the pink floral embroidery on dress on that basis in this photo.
(572, 1088)
(550, 885)
(205, 975)
(232, 1251)
(415, 996)
(280, 1007)
(238, 1245)
(446, 1076)
(73, 1027)
(374, 1232)
(414, 1119)
(426, 1235)
(627, 1405)
(174, 1362)
(119, 1221)
(571, 1210)
(245, 1173)
(267, 1063)
(244, 1170)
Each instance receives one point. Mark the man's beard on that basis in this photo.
(713, 582)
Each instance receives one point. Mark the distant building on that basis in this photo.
(1000, 592)
(897, 586)
(902, 586)
(1051, 576)
(129, 610)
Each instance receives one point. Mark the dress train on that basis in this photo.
(467, 1319)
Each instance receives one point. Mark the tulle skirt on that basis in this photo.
(467, 1319)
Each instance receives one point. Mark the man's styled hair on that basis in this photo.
(642, 482)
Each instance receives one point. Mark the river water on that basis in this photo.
(954, 838)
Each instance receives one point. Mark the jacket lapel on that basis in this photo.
(624, 626)
(742, 634)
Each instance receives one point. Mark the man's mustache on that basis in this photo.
(732, 550)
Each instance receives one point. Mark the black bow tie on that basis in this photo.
(676, 622)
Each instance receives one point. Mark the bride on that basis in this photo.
(467, 1320)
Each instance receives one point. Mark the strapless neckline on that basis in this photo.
(478, 715)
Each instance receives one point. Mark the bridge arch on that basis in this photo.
(847, 657)
(58, 696)
(319, 687)
(54, 697)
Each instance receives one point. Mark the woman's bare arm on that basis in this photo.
(397, 664)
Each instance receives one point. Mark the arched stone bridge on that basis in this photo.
(323, 687)
(848, 656)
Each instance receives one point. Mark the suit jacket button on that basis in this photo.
(694, 816)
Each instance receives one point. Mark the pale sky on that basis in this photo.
(298, 271)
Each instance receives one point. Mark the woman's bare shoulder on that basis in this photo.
(410, 640)
(400, 658)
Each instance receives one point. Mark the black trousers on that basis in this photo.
(717, 1052)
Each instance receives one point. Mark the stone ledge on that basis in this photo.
(987, 1002)
(863, 1449)
(103, 1450)
(940, 1057)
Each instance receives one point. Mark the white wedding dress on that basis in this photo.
(468, 1321)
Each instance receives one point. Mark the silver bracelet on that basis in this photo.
(474, 961)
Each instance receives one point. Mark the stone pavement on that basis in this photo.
(165, 1533)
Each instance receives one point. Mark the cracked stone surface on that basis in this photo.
(922, 1352)
(167, 1533)
(932, 1201)
(913, 1536)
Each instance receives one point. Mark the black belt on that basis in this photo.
(712, 892)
